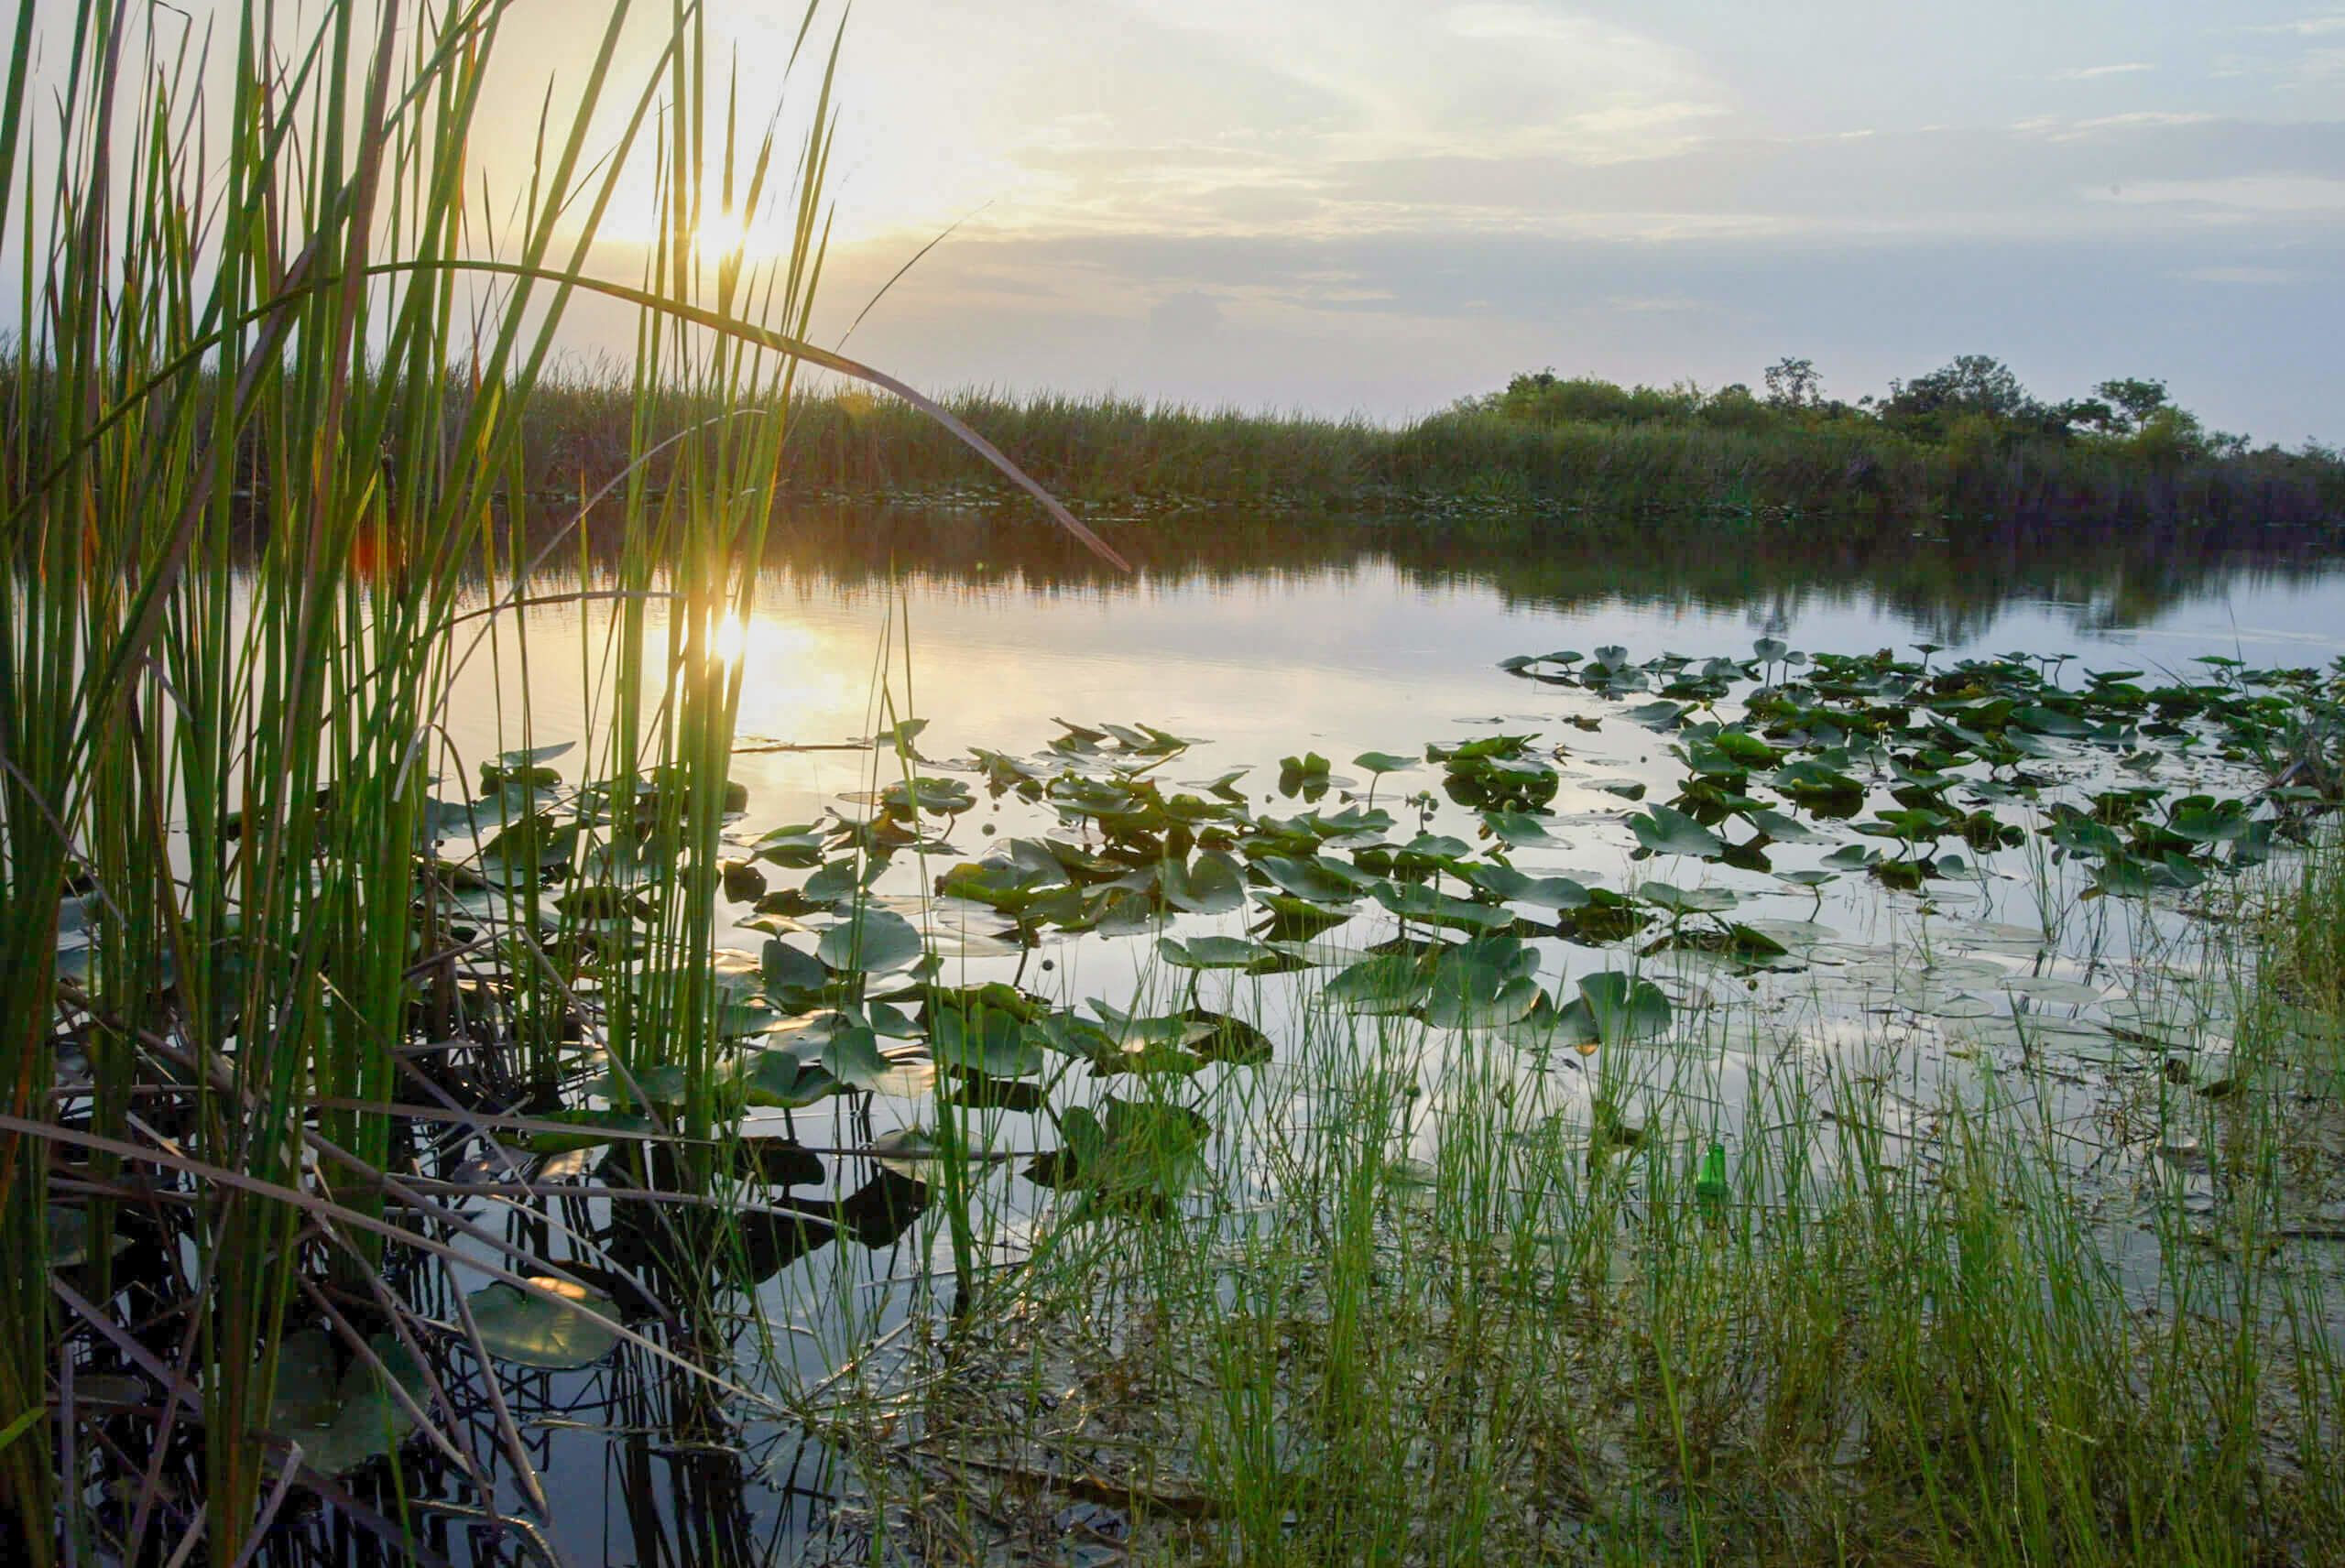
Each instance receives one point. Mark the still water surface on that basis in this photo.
(1343, 639)
(1264, 642)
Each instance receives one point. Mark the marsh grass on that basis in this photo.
(266, 468)
(1129, 457)
(260, 530)
(1437, 1308)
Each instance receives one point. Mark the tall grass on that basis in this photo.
(1444, 1309)
(1124, 455)
(265, 436)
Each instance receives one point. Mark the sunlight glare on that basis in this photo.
(732, 639)
(726, 235)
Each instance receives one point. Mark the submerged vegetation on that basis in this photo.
(440, 1095)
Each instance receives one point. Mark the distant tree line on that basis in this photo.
(1974, 405)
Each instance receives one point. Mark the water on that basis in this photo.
(1346, 638)
(1264, 642)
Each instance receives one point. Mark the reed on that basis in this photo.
(266, 459)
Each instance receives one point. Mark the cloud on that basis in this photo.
(2095, 72)
(2243, 195)
(1187, 317)
(2248, 274)
(2116, 177)
(2305, 26)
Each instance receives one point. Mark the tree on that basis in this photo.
(1972, 383)
(1794, 384)
(2132, 399)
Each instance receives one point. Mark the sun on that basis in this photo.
(724, 236)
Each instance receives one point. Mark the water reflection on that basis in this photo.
(1264, 638)
(1948, 580)
(1262, 634)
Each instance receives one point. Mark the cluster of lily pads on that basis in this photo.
(1923, 764)
(1954, 746)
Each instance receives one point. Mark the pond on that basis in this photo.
(1255, 644)
(1166, 870)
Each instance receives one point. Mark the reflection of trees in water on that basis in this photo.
(1948, 580)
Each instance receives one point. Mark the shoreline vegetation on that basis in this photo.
(477, 1137)
(1964, 444)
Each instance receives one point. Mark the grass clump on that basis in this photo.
(255, 1004)
(1458, 1316)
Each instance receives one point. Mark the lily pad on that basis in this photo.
(341, 1416)
(874, 942)
(555, 1323)
(1212, 952)
(1416, 902)
(1665, 831)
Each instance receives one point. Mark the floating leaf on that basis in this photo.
(777, 1080)
(852, 1056)
(1517, 888)
(1667, 832)
(1779, 827)
(1212, 952)
(1687, 900)
(1416, 902)
(1483, 985)
(984, 1040)
(1658, 715)
(1211, 887)
(1389, 982)
(1318, 882)
(343, 1417)
(874, 942)
(789, 971)
(555, 1323)
(1622, 1006)
(1516, 828)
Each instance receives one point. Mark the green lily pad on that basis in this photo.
(1389, 983)
(873, 942)
(1516, 828)
(1615, 1007)
(1688, 900)
(1517, 888)
(984, 1040)
(1484, 984)
(1416, 902)
(1211, 887)
(1665, 831)
(1212, 952)
(1312, 880)
(341, 1416)
(778, 1080)
(554, 1324)
(791, 972)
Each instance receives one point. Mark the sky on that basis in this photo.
(1364, 206)
(1377, 207)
